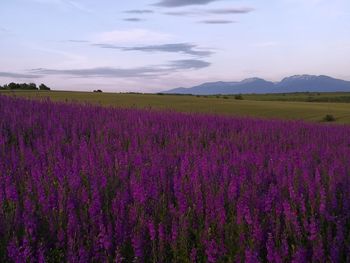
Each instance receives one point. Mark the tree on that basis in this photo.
(31, 86)
(239, 97)
(329, 118)
(13, 85)
(43, 87)
(24, 86)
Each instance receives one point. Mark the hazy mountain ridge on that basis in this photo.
(297, 83)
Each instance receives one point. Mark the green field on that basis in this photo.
(342, 97)
(276, 106)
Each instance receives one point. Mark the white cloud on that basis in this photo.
(133, 36)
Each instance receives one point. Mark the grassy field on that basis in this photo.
(339, 97)
(264, 106)
(342, 97)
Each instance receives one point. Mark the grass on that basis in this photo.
(339, 97)
(262, 106)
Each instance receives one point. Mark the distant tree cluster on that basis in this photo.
(239, 97)
(24, 86)
(329, 118)
(98, 90)
(43, 87)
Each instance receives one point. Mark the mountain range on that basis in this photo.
(297, 83)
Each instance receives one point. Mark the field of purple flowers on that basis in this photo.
(83, 183)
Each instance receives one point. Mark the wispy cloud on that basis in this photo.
(184, 48)
(100, 72)
(230, 10)
(188, 64)
(138, 72)
(70, 3)
(177, 3)
(4, 31)
(131, 36)
(181, 13)
(77, 41)
(18, 75)
(139, 11)
(77, 6)
(69, 57)
(217, 21)
(133, 19)
(221, 11)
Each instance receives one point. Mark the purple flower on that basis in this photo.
(251, 256)
(152, 230)
(211, 251)
(87, 183)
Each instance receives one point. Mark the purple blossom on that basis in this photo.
(152, 231)
(87, 183)
(211, 251)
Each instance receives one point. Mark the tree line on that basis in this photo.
(24, 86)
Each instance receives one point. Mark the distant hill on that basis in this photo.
(298, 83)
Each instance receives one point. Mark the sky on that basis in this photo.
(157, 45)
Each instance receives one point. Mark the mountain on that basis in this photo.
(252, 85)
(312, 83)
(298, 83)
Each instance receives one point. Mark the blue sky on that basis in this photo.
(154, 45)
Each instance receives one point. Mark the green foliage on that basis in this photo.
(19, 86)
(30, 86)
(55, 255)
(310, 99)
(239, 97)
(329, 118)
(24, 86)
(43, 87)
